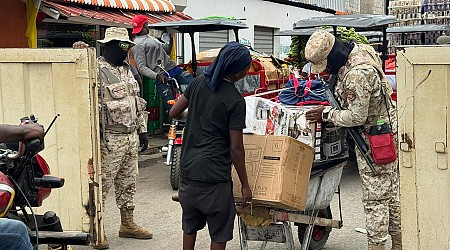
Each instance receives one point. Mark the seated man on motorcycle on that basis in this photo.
(154, 62)
(14, 233)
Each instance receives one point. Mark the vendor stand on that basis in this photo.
(266, 73)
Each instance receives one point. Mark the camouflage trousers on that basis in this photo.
(381, 200)
(120, 166)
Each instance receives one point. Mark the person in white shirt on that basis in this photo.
(306, 70)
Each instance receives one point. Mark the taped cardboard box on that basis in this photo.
(278, 169)
(264, 117)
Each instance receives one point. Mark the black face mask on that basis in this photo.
(338, 56)
(114, 54)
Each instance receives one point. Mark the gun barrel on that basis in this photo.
(354, 133)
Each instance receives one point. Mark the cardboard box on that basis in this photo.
(278, 169)
(264, 117)
(208, 55)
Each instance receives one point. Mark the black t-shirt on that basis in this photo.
(206, 144)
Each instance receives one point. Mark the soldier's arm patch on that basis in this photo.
(351, 95)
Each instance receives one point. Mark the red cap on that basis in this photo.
(138, 23)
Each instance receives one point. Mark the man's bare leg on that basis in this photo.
(189, 241)
(218, 245)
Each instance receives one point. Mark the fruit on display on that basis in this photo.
(296, 55)
(351, 35)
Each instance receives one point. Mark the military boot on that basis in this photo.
(102, 245)
(129, 229)
(396, 242)
(374, 247)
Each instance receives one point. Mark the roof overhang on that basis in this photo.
(357, 21)
(139, 5)
(418, 28)
(301, 32)
(201, 25)
(62, 12)
(304, 6)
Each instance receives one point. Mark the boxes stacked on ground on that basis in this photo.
(264, 117)
(278, 169)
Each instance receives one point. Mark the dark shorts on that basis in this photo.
(211, 203)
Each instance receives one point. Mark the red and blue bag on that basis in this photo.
(301, 92)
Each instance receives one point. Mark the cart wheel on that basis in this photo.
(175, 167)
(320, 234)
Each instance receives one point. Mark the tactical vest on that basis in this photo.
(366, 55)
(120, 103)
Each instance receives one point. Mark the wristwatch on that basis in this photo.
(326, 113)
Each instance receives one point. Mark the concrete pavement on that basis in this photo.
(156, 211)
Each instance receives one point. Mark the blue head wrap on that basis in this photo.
(232, 58)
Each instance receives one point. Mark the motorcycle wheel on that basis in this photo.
(175, 167)
(319, 234)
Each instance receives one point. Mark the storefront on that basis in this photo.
(59, 23)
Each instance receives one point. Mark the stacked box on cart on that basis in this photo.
(278, 170)
(264, 117)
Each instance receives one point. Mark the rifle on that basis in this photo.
(353, 131)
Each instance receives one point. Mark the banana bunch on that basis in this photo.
(297, 51)
(255, 221)
(351, 35)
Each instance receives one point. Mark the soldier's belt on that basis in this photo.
(121, 129)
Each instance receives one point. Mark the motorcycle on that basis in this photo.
(26, 176)
(175, 135)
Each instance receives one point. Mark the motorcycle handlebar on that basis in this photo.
(33, 146)
(68, 238)
(48, 181)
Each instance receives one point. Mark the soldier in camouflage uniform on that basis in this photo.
(122, 120)
(361, 89)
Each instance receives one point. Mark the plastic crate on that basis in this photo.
(150, 93)
(153, 113)
(153, 126)
(153, 101)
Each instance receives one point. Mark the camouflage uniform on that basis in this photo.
(123, 121)
(359, 92)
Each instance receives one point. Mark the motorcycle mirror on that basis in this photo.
(165, 37)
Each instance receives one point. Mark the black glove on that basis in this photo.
(143, 141)
(161, 78)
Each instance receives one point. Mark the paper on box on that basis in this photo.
(266, 117)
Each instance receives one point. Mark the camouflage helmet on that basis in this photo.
(317, 50)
